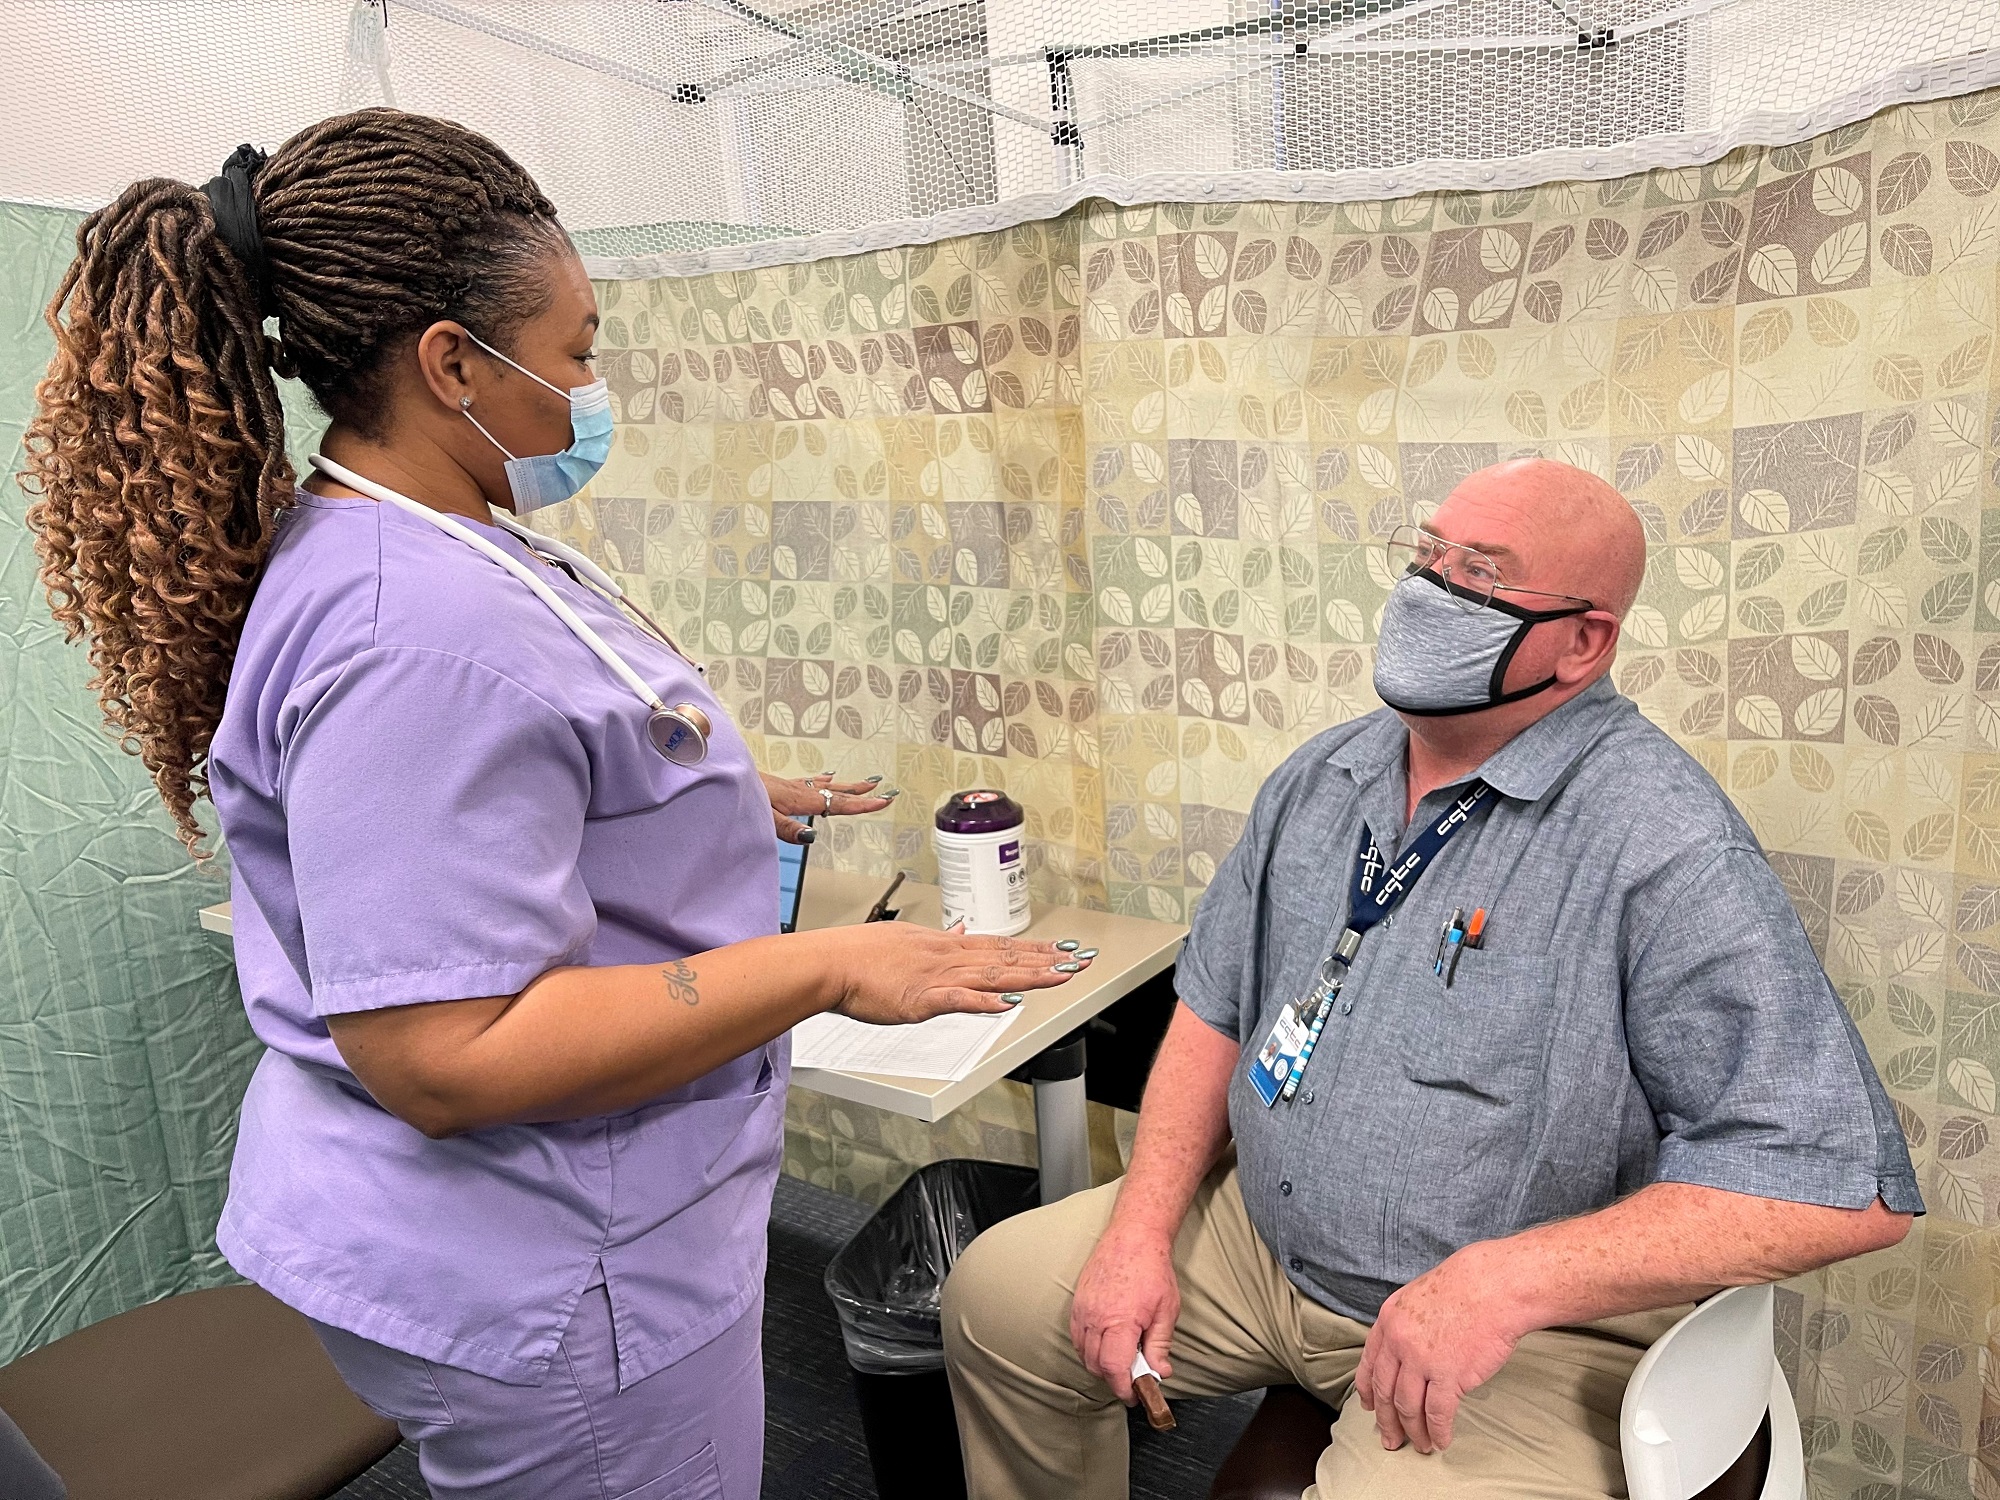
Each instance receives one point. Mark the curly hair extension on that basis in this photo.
(156, 458)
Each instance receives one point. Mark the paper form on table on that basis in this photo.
(944, 1047)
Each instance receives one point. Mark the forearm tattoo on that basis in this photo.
(680, 982)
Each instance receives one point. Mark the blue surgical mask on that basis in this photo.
(547, 478)
(1435, 658)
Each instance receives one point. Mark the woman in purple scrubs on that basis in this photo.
(511, 950)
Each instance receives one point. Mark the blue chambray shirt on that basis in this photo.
(1646, 1006)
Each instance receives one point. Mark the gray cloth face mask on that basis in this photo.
(1434, 657)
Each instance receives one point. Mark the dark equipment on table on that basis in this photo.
(881, 911)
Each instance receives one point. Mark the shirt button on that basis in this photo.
(1306, 1097)
(1297, 1264)
(1285, 1188)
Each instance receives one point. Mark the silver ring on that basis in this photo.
(826, 796)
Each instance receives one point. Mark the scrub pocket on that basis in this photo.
(391, 1384)
(700, 1478)
(690, 1234)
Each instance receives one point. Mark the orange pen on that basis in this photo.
(1475, 930)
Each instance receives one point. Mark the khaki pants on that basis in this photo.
(1036, 1425)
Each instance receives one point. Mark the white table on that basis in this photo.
(1130, 950)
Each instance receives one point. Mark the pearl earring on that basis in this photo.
(465, 403)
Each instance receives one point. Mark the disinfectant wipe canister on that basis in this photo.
(981, 867)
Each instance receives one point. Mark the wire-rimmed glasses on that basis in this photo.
(1470, 576)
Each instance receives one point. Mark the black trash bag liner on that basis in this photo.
(885, 1281)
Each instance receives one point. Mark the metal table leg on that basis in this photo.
(1062, 1133)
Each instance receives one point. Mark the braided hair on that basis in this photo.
(156, 457)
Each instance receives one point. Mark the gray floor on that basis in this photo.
(813, 1448)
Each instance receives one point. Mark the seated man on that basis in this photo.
(1511, 1158)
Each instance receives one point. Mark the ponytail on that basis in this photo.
(156, 459)
(157, 464)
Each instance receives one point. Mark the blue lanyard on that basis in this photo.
(1378, 889)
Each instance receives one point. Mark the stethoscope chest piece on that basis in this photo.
(680, 733)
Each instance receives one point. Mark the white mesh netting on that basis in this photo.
(682, 136)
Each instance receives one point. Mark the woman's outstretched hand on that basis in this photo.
(793, 798)
(582, 1041)
(898, 972)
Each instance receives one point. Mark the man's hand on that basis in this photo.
(1127, 1294)
(1448, 1331)
(1437, 1338)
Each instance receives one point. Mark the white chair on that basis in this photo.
(1698, 1396)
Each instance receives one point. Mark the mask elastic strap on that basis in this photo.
(1529, 619)
(1472, 708)
(517, 365)
(466, 412)
(1503, 606)
(1537, 616)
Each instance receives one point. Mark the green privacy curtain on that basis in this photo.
(123, 1046)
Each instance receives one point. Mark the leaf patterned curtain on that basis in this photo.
(1090, 510)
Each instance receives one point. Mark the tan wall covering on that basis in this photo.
(1085, 509)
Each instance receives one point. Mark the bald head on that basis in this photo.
(1551, 527)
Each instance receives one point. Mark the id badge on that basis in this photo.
(1272, 1067)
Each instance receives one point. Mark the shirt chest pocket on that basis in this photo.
(1486, 1036)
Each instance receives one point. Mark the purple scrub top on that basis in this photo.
(431, 790)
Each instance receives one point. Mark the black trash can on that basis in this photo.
(885, 1284)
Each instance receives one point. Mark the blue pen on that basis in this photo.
(1451, 959)
(1454, 932)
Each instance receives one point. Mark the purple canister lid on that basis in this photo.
(983, 811)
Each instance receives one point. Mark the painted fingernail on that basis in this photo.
(1012, 999)
(1069, 945)
(1086, 953)
(873, 780)
(1068, 968)
(807, 835)
(890, 792)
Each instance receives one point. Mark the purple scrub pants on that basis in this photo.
(693, 1431)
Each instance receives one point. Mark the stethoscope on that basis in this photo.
(679, 733)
